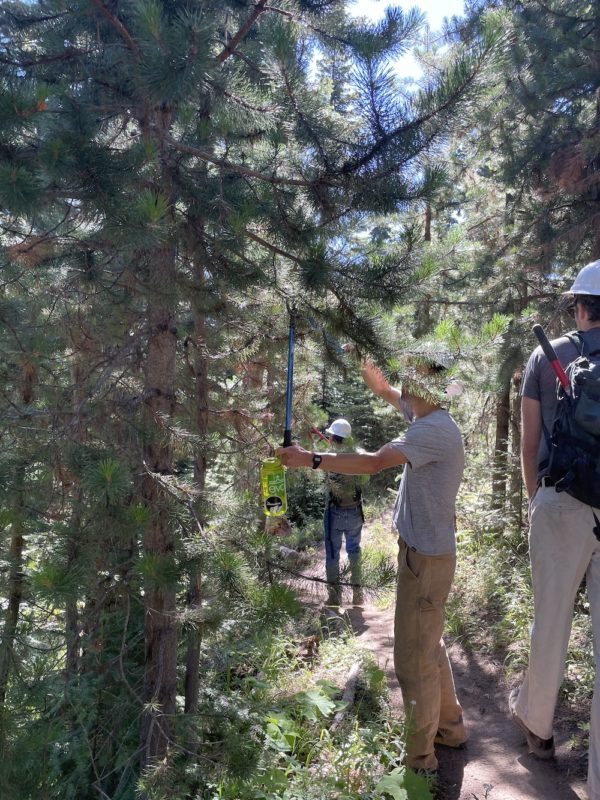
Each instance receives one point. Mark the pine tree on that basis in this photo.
(536, 133)
(547, 132)
(170, 160)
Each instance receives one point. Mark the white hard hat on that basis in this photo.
(340, 427)
(588, 280)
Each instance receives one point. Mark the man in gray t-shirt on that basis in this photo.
(431, 451)
(424, 510)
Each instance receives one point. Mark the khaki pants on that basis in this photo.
(562, 549)
(420, 658)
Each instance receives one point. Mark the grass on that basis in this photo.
(490, 609)
(303, 757)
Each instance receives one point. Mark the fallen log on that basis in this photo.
(348, 696)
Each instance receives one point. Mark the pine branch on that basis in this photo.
(118, 25)
(67, 54)
(230, 47)
(304, 119)
(240, 100)
(239, 169)
(414, 124)
(287, 14)
(563, 15)
(272, 248)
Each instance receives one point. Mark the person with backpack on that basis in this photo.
(343, 518)
(560, 459)
(432, 454)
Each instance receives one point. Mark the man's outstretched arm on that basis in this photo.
(344, 463)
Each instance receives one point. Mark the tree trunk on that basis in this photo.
(160, 628)
(82, 339)
(194, 597)
(15, 585)
(428, 223)
(71, 608)
(500, 468)
(16, 574)
(516, 479)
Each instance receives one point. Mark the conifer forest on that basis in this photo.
(178, 178)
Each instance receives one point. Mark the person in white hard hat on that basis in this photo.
(432, 454)
(562, 546)
(343, 519)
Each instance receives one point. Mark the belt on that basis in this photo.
(546, 480)
(338, 505)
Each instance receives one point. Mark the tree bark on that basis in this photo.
(15, 584)
(160, 627)
(17, 545)
(71, 609)
(428, 216)
(516, 480)
(500, 468)
(194, 597)
(83, 348)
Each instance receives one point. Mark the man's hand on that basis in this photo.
(294, 456)
(374, 378)
(351, 349)
(377, 383)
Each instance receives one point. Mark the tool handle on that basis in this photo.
(550, 354)
(318, 433)
(287, 431)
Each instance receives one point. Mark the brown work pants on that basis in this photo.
(420, 659)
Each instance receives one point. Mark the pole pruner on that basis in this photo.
(272, 471)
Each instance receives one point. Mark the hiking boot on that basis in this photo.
(542, 748)
(358, 598)
(334, 590)
(440, 739)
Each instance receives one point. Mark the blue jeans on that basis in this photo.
(339, 522)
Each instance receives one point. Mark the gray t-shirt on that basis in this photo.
(540, 383)
(425, 505)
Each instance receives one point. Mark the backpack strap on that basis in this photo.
(577, 341)
(596, 526)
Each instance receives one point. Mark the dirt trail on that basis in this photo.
(495, 764)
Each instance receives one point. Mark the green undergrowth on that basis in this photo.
(380, 554)
(490, 609)
(291, 693)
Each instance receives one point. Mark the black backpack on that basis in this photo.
(574, 462)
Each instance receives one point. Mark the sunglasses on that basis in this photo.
(569, 305)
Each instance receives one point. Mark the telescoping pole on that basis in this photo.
(550, 354)
(287, 432)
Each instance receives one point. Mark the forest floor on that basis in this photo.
(495, 764)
